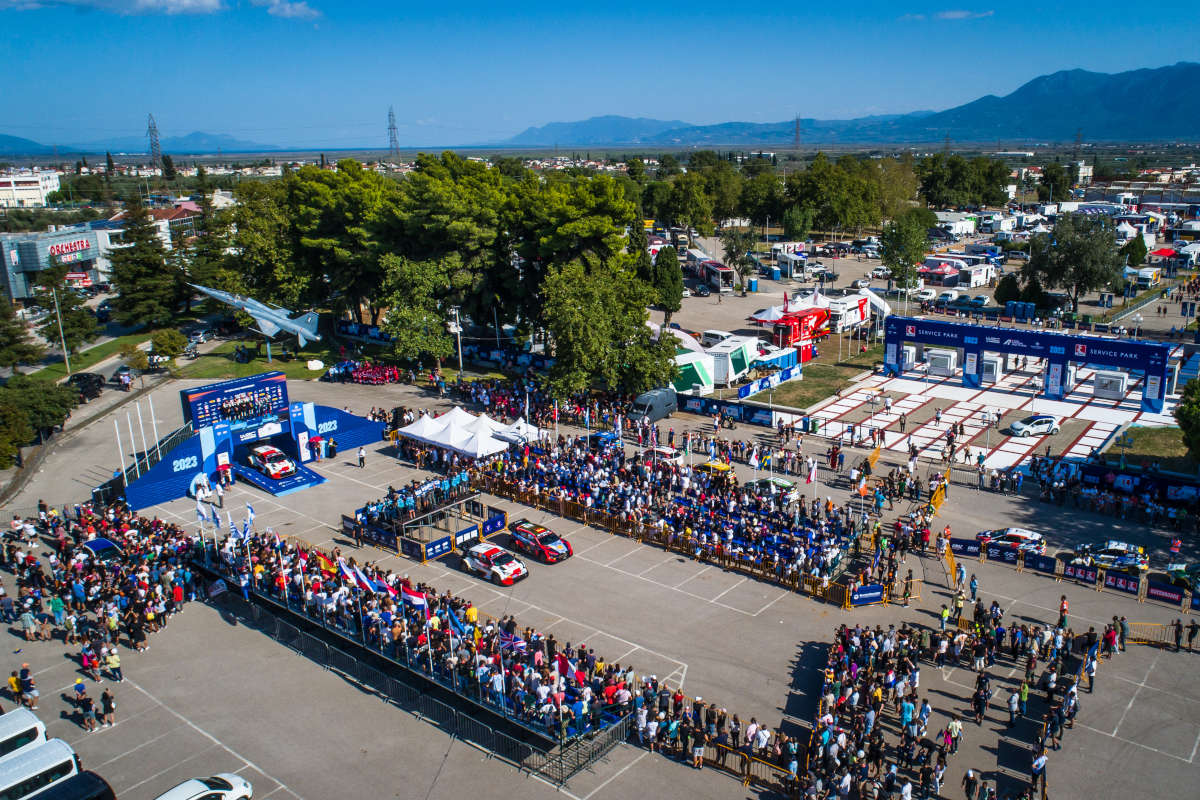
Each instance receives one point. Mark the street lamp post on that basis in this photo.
(456, 327)
(61, 336)
(1137, 324)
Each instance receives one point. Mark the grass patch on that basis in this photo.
(220, 362)
(1150, 445)
(85, 360)
(823, 376)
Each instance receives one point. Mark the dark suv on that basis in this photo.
(88, 384)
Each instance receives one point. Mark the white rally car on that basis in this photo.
(271, 461)
(494, 563)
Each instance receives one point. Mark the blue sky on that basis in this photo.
(311, 73)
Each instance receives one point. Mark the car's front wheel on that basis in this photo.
(1054, 430)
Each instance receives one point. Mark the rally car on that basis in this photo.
(539, 542)
(271, 461)
(1113, 555)
(1016, 538)
(1185, 576)
(494, 563)
(765, 487)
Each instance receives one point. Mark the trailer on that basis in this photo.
(733, 358)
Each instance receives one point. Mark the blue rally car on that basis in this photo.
(1113, 555)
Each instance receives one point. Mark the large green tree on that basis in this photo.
(79, 325)
(667, 281)
(264, 245)
(738, 244)
(1187, 414)
(146, 289)
(46, 405)
(902, 249)
(16, 345)
(1079, 256)
(1056, 182)
(414, 293)
(15, 432)
(691, 206)
(1134, 251)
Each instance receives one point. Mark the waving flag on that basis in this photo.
(345, 574)
(200, 516)
(233, 531)
(387, 587)
(250, 513)
(246, 530)
(456, 623)
(364, 583)
(510, 641)
(754, 458)
(216, 516)
(325, 564)
(415, 600)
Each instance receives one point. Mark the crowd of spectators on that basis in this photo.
(366, 372)
(98, 600)
(418, 497)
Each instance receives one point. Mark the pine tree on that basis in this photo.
(16, 346)
(146, 288)
(108, 162)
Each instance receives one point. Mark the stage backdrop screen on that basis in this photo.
(240, 401)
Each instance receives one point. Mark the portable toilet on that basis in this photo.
(908, 357)
(992, 369)
(1110, 385)
(941, 362)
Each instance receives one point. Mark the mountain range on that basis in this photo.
(1143, 105)
(195, 143)
(1138, 106)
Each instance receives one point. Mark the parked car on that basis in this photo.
(765, 487)
(494, 563)
(539, 542)
(88, 384)
(1035, 425)
(861, 283)
(1185, 576)
(980, 300)
(200, 336)
(1114, 555)
(881, 272)
(948, 296)
(664, 453)
(687, 292)
(222, 786)
(1016, 538)
(272, 462)
(926, 294)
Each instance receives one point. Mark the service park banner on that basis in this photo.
(965, 547)
(1122, 583)
(866, 595)
(1164, 592)
(996, 552)
(1081, 573)
(1047, 564)
(495, 524)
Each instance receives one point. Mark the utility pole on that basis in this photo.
(393, 137)
(61, 336)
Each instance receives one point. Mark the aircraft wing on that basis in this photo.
(266, 324)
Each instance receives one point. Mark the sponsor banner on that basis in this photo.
(1047, 564)
(495, 524)
(997, 552)
(1081, 573)
(769, 382)
(965, 547)
(438, 547)
(1122, 582)
(411, 548)
(865, 595)
(467, 534)
(380, 537)
(1166, 592)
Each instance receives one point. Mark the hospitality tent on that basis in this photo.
(480, 446)
(423, 428)
(484, 425)
(519, 432)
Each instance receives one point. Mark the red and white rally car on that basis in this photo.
(539, 542)
(494, 563)
(271, 461)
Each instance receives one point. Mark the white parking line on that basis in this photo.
(730, 589)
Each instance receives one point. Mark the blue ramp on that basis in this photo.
(303, 479)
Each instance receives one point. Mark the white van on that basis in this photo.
(713, 338)
(20, 730)
(35, 769)
(948, 296)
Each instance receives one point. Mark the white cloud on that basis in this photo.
(277, 8)
(963, 14)
(289, 10)
(912, 18)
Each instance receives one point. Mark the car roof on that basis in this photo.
(185, 791)
(485, 549)
(1028, 534)
(265, 448)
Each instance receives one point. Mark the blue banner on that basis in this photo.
(1081, 573)
(996, 552)
(381, 537)
(1047, 564)
(494, 524)
(965, 547)
(438, 547)
(468, 534)
(1166, 592)
(411, 548)
(769, 382)
(1122, 582)
(865, 595)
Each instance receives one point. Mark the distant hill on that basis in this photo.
(16, 146)
(597, 130)
(192, 144)
(1139, 105)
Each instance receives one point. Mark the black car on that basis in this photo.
(89, 385)
(702, 290)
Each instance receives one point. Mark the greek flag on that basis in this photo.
(250, 513)
(233, 531)
(200, 516)
(246, 530)
(216, 517)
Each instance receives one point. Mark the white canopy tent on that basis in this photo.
(484, 425)
(423, 428)
(480, 446)
(457, 430)
(519, 432)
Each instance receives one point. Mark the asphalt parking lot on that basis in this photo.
(213, 695)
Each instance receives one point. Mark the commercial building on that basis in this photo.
(84, 249)
(26, 188)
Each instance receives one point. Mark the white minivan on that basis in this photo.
(46, 764)
(713, 338)
(20, 730)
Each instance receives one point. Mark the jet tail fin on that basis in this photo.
(307, 321)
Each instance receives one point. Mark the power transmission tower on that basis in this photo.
(155, 147)
(393, 137)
